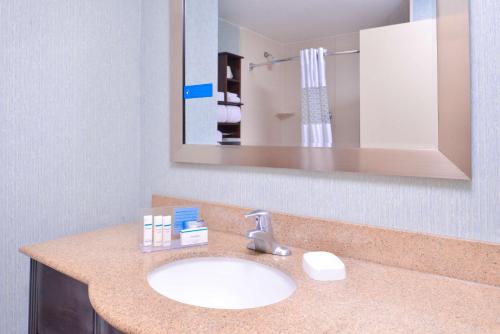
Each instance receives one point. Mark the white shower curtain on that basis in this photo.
(316, 116)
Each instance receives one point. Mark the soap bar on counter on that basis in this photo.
(323, 266)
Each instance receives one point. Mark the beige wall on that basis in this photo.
(262, 91)
(399, 86)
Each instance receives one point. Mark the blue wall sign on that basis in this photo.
(198, 91)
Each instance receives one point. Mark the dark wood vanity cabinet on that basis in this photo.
(60, 305)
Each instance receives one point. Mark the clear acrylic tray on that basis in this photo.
(175, 242)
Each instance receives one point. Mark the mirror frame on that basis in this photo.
(452, 159)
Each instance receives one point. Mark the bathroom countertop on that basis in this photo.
(373, 299)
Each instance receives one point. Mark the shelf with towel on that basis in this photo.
(229, 97)
(232, 130)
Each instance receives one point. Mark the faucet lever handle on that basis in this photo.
(262, 219)
(257, 213)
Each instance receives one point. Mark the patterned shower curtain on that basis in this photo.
(316, 116)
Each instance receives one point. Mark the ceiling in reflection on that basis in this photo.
(312, 18)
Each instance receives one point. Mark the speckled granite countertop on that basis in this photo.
(373, 299)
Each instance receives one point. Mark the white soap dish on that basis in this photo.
(323, 266)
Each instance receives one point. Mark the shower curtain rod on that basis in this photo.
(251, 66)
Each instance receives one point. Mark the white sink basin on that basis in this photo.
(222, 283)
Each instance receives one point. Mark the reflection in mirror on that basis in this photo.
(318, 73)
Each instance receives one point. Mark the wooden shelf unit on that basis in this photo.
(226, 85)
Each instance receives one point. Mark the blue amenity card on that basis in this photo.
(182, 215)
(198, 91)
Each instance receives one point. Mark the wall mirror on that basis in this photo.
(327, 85)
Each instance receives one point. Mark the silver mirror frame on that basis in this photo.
(452, 159)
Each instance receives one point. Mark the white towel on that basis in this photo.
(222, 114)
(233, 114)
(219, 136)
(233, 97)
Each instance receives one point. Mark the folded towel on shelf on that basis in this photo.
(222, 114)
(233, 114)
(219, 136)
(220, 96)
(233, 97)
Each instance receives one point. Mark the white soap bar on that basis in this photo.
(193, 236)
(323, 266)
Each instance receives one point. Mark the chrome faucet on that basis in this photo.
(262, 237)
